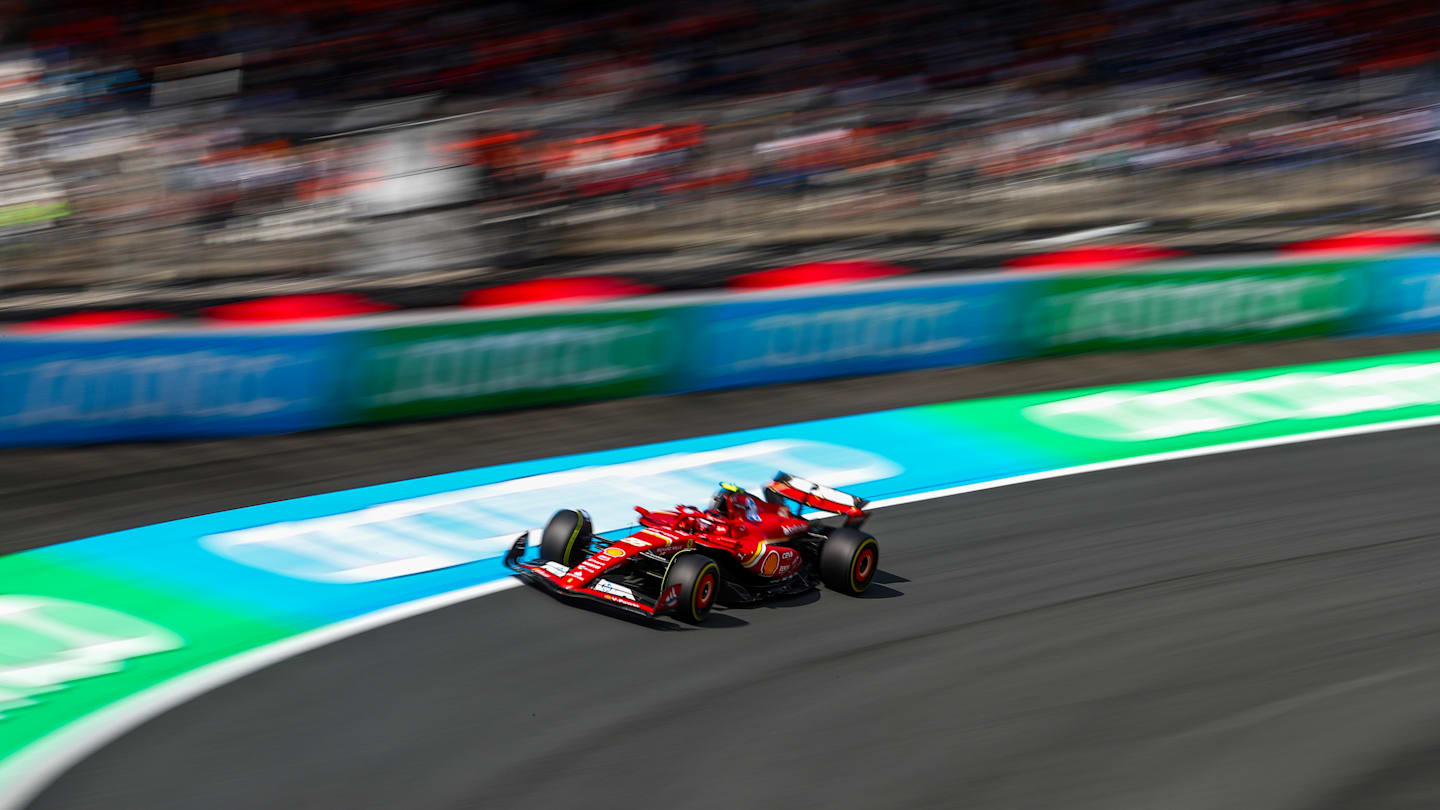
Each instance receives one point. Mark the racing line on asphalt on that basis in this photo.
(1255, 629)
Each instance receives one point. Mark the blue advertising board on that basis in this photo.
(1404, 296)
(757, 342)
(60, 390)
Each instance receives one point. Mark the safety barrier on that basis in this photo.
(174, 383)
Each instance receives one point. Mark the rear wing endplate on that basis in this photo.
(817, 496)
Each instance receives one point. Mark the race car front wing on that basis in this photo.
(548, 576)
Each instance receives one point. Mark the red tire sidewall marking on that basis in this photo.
(705, 590)
(864, 565)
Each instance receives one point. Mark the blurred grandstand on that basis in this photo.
(271, 145)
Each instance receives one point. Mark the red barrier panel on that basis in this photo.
(1094, 256)
(296, 308)
(97, 319)
(838, 272)
(565, 288)
(1365, 242)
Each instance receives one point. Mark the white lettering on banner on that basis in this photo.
(1193, 307)
(1128, 416)
(536, 359)
(451, 528)
(189, 384)
(1420, 298)
(874, 331)
(46, 643)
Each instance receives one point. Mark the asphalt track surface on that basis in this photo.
(1250, 630)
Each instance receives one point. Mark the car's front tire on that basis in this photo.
(566, 539)
(848, 561)
(699, 579)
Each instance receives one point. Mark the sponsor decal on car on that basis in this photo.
(609, 588)
(789, 562)
(615, 552)
(769, 565)
(588, 567)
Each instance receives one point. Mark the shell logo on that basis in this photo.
(615, 552)
(770, 564)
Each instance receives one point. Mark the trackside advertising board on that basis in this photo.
(91, 622)
(75, 390)
(1404, 296)
(756, 342)
(1082, 313)
(177, 384)
(435, 369)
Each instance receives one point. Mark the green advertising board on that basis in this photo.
(437, 369)
(1081, 313)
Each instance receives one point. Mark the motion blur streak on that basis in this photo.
(160, 141)
(1249, 630)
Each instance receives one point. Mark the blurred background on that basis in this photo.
(1182, 635)
(417, 148)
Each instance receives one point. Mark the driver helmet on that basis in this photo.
(720, 504)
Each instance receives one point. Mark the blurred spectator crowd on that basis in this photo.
(195, 128)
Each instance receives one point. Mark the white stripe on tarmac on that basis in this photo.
(1156, 458)
(38, 765)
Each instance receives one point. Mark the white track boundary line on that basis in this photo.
(37, 766)
(1156, 458)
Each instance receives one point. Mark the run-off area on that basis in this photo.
(1245, 630)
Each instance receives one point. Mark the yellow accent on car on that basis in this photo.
(695, 591)
(754, 558)
(869, 541)
(570, 544)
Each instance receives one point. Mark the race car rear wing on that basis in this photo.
(811, 495)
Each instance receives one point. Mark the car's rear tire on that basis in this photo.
(566, 539)
(848, 561)
(699, 579)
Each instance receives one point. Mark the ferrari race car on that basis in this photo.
(739, 550)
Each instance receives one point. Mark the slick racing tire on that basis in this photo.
(699, 579)
(848, 561)
(566, 539)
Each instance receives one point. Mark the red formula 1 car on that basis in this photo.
(741, 549)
